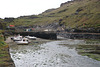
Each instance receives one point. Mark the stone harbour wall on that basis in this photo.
(79, 35)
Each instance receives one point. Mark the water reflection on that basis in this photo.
(50, 54)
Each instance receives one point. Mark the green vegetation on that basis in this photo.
(36, 21)
(1, 31)
(5, 60)
(73, 14)
(91, 49)
(3, 25)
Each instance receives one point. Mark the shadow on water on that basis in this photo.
(61, 53)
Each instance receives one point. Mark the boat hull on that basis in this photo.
(22, 43)
(32, 38)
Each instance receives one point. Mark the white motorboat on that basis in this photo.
(17, 38)
(31, 37)
(27, 36)
(24, 41)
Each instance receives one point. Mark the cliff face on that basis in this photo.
(77, 14)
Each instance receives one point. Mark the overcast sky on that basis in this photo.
(16, 8)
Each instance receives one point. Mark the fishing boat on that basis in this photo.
(24, 41)
(17, 38)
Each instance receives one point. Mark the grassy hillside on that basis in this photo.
(5, 59)
(75, 14)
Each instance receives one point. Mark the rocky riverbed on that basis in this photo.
(48, 53)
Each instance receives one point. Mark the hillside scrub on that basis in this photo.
(76, 14)
(5, 59)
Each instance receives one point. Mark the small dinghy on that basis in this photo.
(24, 41)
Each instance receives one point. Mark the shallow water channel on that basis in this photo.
(51, 54)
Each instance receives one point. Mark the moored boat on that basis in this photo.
(17, 38)
(31, 37)
(24, 41)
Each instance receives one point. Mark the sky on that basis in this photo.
(16, 8)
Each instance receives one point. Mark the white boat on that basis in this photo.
(17, 38)
(27, 36)
(24, 41)
(31, 37)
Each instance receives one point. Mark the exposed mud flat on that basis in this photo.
(50, 54)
